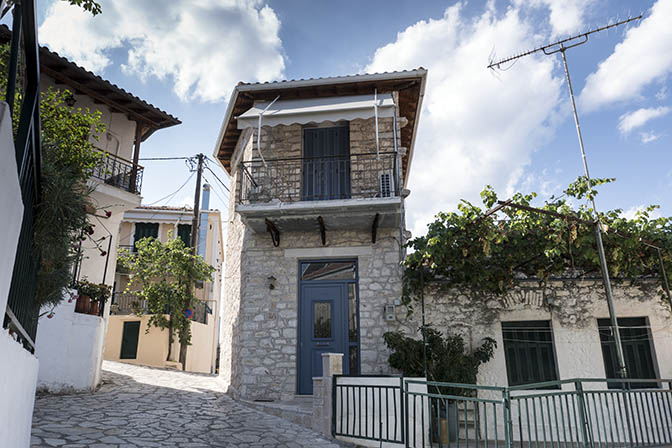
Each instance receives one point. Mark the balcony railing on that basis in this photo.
(355, 176)
(127, 303)
(119, 172)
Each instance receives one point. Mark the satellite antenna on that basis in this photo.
(561, 47)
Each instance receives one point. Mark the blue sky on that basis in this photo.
(512, 129)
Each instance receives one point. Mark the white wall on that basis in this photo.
(69, 346)
(18, 373)
(10, 203)
(17, 389)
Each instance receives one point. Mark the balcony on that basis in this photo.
(118, 172)
(340, 192)
(125, 303)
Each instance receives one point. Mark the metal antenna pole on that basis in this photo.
(620, 358)
(561, 47)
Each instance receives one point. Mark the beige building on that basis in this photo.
(316, 226)
(69, 345)
(127, 338)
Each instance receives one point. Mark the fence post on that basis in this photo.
(583, 421)
(508, 425)
(324, 400)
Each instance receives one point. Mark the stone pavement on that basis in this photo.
(147, 407)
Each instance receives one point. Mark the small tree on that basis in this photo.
(166, 273)
(447, 359)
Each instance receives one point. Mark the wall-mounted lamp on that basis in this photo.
(272, 282)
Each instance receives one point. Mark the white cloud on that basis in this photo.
(648, 137)
(566, 16)
(635, 119)
(476, 127)
(631, 213)
(644, 56)
(203, 46)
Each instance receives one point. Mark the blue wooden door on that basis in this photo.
(323, 329)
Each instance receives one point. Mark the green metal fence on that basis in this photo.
(568, 413)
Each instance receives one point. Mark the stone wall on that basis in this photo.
(572, 306)
(263, 354)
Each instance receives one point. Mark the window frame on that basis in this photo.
(528, 326)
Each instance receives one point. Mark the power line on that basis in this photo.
(217, 177)
(170, 196)
(165, 158)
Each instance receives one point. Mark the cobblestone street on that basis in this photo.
(146, 407)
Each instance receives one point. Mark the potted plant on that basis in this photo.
(447, 362)
(91, 295)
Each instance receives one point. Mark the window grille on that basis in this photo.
(529, 352)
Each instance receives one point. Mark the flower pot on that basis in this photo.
(83, 304)
(93, 310)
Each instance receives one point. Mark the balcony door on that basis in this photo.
(326, 163)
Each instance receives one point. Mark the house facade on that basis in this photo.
(129, 337)
(69, 344)
(315, 233)
(559, 330)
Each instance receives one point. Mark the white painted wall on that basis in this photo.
(17, 389)
(18, 374)
(69, 346)
(10, 203)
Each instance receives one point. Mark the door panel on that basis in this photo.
(323, 329)
(326, 163)
(129, 340)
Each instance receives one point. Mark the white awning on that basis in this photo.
(316, 110)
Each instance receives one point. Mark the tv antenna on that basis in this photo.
(561, 47)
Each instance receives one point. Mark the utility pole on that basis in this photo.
(561, 47)
(193, 241)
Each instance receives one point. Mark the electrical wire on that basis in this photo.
(216, 177)
(165, 158)
(170, 196)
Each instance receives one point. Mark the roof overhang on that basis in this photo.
(84, 82)
(409, 84)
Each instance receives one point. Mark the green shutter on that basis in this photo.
(184, 233)
(145, 230)
(529, 352)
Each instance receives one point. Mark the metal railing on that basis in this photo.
(22, 312)
(579, 412)
(368, 175)
(369, 411)
(119, 172)
(127, 303)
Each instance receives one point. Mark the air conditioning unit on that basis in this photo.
(386, 184)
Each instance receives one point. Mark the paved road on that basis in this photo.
(146, 407)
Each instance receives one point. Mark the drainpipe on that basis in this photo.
(203, 228)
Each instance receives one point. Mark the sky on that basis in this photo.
(510, 128)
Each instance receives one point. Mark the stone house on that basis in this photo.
(128, 336)
(318, 171)
(560, 330)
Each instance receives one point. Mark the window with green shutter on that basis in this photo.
(184, 233)
(637, 350)
(145, 230)
(529, 352)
